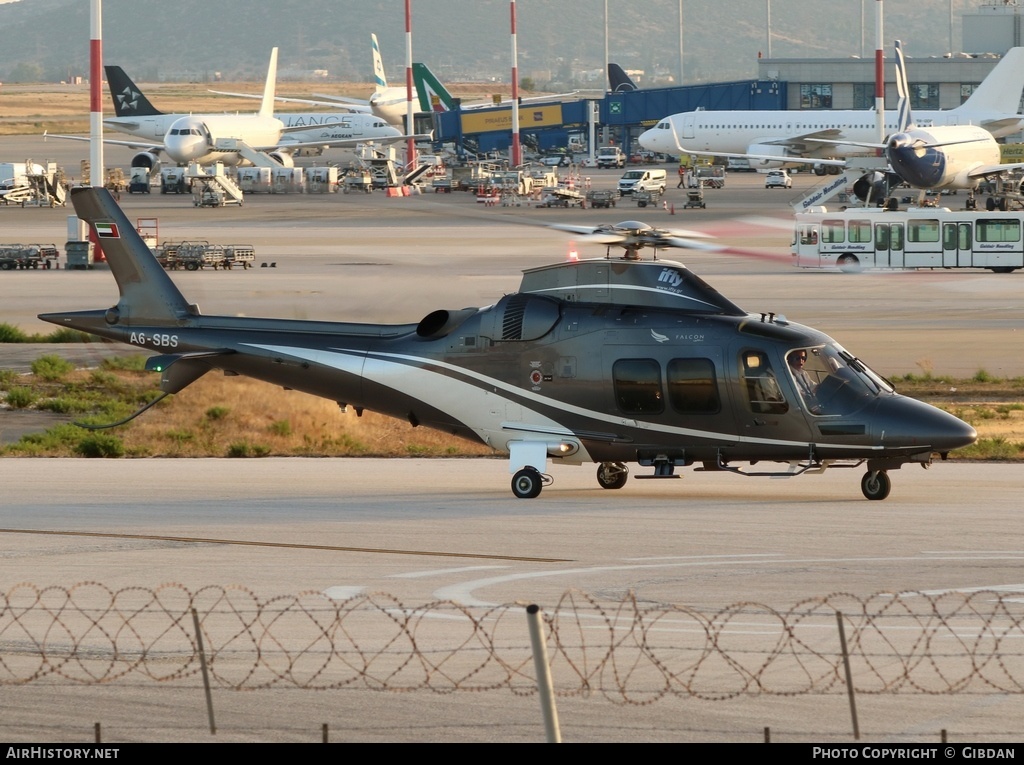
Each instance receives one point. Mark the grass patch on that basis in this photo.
(219, 415)
(52, 368)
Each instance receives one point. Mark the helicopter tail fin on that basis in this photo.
(147, 293)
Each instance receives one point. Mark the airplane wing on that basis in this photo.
(336, 102)
(766, 157)
(999, 126)
(142, 145)
(984, 171)
(340, 142)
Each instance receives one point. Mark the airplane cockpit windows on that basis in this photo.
(762, 386)
(638, 386)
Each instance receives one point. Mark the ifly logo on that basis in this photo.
(671, 277)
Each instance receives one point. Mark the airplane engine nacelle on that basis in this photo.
(770, 150)
(284, 158)
(874, 187)
(147, 160)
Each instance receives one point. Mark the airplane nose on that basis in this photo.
(905, 422)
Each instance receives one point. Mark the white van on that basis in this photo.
(643, 180)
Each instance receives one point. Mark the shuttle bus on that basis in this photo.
(925, 237)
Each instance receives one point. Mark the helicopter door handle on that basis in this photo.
(759, 421)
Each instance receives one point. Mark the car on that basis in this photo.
(778, 179)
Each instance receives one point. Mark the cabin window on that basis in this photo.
(860, 231)
(638, 386)
(692, 387)
(998, 230)
(762, 386)
(833, 232)
(923, 231)
(809, 235)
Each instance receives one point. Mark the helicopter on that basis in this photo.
(610, 360)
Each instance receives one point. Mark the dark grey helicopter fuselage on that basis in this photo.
(610, 360)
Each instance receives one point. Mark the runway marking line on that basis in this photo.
(285, 545)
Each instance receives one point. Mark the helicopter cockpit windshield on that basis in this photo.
(831, 381)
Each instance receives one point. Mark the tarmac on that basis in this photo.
(720, 539)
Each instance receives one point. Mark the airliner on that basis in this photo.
(772, 138)
(938, 157)
(136, 115)
(434, 97)
(227, 138)
(387, 103)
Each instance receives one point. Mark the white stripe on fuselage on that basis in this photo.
(475, 403)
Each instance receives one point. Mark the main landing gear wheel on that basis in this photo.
(876, 485)
(527, 483)
(612, 475)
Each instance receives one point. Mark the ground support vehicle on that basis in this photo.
(695, 199)
(859, 238)
(603, 197)
(25, 256)
(610, 156)
(195, 256)
(645, 198)
(80, 254)
(559, 196)
(357, 180)
(441, 184)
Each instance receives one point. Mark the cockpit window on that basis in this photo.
(831, 381)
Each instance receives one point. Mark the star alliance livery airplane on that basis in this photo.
(228, 138)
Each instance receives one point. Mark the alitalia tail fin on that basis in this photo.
(433, 96)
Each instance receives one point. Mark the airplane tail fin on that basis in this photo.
(147, 292)
(618, 80)
(1001, 90)
(267, 104)
(128, 98)
(433, 96)
(903, 118)
(380, 81)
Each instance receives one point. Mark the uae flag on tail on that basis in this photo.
(107, 231)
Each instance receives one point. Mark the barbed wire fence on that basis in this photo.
(628, 652)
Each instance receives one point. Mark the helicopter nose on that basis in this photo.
(906, 422)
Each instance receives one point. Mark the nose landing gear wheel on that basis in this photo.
(612, 475)
(876, 485)
(527, 483)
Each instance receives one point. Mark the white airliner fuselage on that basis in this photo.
(820, 133)
(318, 127)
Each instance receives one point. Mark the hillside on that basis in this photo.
(463, 40)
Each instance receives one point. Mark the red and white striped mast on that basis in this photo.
(96, 93)
(879, 75)
(517, 149)
(410, 159)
